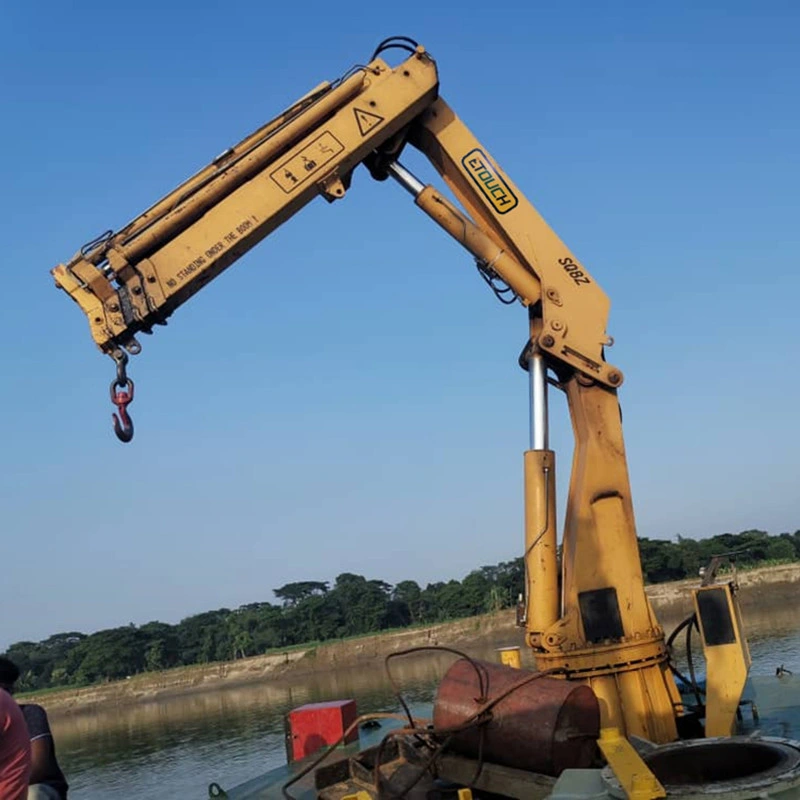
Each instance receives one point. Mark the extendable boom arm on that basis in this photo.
(132, 279)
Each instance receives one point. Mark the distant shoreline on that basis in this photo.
(768, 597)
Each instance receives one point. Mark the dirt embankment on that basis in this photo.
(285, 666)
(762, 591)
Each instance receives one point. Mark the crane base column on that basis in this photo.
(632, 682)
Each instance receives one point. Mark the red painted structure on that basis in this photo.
(317, 725)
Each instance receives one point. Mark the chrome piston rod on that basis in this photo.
(537, 375)
(411, 184)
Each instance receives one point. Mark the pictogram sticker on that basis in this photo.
(366, 120)
(294, 172)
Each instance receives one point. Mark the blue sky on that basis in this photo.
(346, 397)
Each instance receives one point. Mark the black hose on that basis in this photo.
(399, 42)
(688, 623)
(689, 659)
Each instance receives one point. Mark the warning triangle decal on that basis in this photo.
(366, 120)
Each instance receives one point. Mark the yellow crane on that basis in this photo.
(588, 619)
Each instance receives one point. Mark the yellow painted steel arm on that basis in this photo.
(130, 280)
(574, 309)
(598, 625)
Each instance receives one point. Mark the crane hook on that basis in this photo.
(123, 424)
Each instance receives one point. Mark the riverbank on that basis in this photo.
(766, 595)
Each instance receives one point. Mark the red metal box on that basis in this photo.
(317, 725)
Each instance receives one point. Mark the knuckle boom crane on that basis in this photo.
(597, 627)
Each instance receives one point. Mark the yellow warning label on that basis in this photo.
(316, 154)
(366, 120)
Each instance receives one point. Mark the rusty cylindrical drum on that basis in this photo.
(546, 725)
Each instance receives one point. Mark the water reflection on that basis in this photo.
(228, 736)
(233, 734)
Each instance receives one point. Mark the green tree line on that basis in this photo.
(317, 611)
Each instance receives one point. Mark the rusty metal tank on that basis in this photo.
(543, 724)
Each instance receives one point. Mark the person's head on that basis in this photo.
(9, 672)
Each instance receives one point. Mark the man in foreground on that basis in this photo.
(46, 781)
(15, 750)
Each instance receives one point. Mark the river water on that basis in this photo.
(230, 735)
